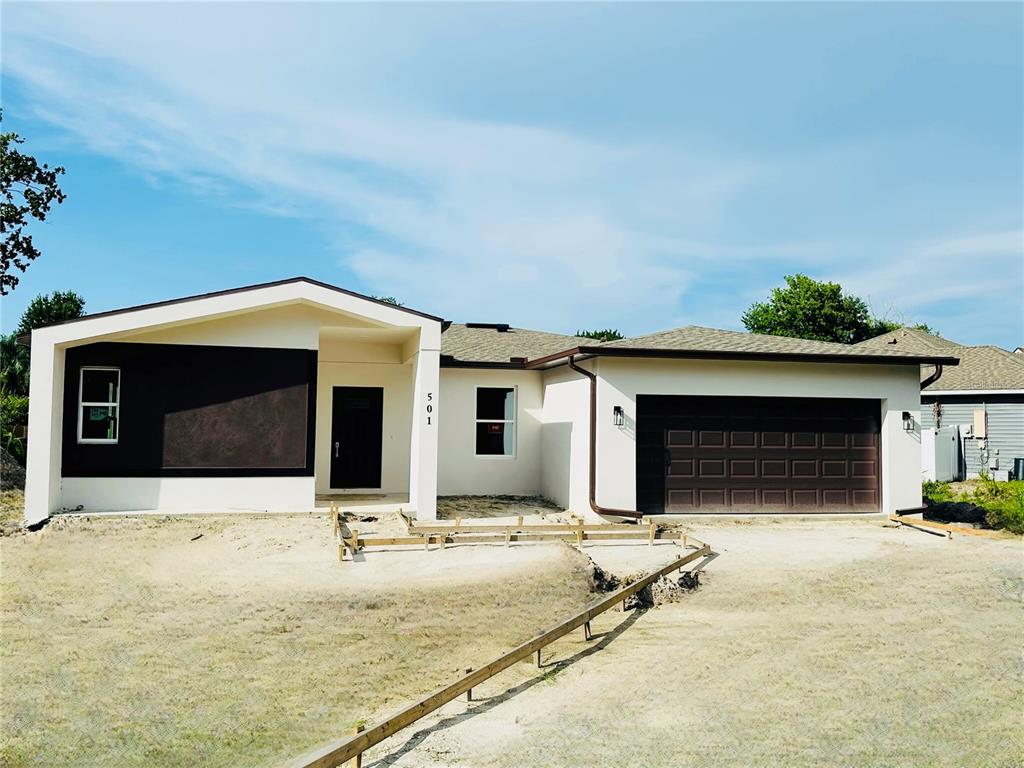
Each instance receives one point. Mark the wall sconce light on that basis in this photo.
(618, 416)
(908, 422)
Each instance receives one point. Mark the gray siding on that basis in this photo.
(1005, 425)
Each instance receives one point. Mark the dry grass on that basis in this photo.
(127, 643)
(12, 511)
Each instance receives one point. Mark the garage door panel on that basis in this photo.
(757, 454)
(742, 439)
(743, 497)
(711, 497)
(743, 468)
(712, 468)
(680, 438)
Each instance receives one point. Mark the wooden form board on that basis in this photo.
(339, 752)
(929, 526)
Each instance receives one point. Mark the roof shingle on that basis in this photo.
(982, 368)
(697, 338)
(489, 345)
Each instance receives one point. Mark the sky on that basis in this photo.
(561, 166)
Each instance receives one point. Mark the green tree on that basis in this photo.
(608, 334)
(389, 300)
(810, 309)
(45, 309)
(27, 189)
(42, 310)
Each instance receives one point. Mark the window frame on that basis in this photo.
(116, 405)
(514, 421)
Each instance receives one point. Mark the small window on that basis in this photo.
(99, 397)
(496, 421)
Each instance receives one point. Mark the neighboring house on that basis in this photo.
(981, 401)
(269, 396)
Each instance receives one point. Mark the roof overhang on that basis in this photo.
(700, 354)
(224, 303)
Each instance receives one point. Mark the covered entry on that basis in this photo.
(757, 454)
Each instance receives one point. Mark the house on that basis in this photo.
(978, 407)
(271, 396)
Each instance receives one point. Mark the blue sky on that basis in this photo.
(639, 166)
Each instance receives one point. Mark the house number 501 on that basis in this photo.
(430, 407)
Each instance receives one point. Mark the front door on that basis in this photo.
(357, 426)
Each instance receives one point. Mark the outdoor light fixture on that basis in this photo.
(618, 416)
(908, 422)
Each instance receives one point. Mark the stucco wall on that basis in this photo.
(188, 494)
(620, 381)
(347, 364)
(459, 469)
(566, 445)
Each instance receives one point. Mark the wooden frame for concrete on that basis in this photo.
(339, 752)
(442, 535)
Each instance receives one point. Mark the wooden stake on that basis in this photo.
(654, 530)
(538, 658)
(587, 633)
(508, 536)
(357, 761)
(519, 522)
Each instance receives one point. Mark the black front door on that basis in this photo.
(357, 426)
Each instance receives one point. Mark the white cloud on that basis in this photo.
(282, 109)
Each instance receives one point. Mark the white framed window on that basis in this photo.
(99, 404)
(496, 422)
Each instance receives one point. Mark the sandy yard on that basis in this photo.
(130, 642)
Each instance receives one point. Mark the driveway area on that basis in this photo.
(808, 644)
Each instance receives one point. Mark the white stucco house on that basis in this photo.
(271, 396)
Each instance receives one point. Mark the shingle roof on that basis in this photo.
(490, 345)
(982, 368)
(697, 338)
(911, 340)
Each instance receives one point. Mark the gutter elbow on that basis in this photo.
(933, 378)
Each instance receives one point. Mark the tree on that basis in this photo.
(883, 325)
(810, 309)
(27, 189)
(608, 334)
(42, 310)
(51, 308)
(389, 300)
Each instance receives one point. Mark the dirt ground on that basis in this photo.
(131, 642)
(808, 644)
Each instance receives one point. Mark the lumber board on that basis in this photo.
(339, 752)
(500, 538)
(528, 528)
(914, 522)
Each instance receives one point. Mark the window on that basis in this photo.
(496, 421)
(99, 395)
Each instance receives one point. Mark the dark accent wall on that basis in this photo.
(202, 411)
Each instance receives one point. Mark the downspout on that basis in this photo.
(632, 513)
(933, 378)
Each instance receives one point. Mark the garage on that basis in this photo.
(757, 454)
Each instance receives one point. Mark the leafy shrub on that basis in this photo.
(992, 503)
(13, 415)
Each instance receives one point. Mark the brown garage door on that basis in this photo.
(756, 454)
